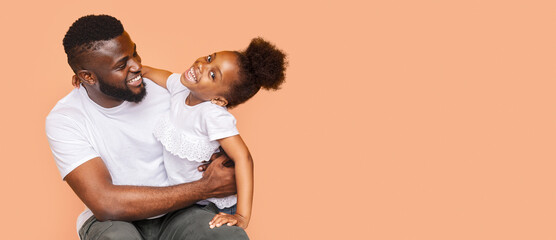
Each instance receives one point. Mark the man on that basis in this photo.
(101, 138)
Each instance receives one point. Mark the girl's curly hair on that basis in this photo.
(261, 65)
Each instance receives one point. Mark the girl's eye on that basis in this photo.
(212, 75)
(209, 58)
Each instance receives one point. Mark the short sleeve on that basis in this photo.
(68, 144)
(220, 123)
(173, 84)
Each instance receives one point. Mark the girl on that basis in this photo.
(199, 123)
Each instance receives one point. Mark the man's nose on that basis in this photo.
(135, 65)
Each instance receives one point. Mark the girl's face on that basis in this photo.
(211, 76)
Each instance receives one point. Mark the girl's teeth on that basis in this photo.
(192, 75)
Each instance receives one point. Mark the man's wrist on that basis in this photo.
(202, 187)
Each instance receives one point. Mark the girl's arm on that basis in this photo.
(159, 76)
(238, 152)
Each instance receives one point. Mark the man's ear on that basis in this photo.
(75, 81)
(220, 101)
(86, 77)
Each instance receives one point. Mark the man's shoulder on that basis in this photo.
(68, 106)
(66, 114)
(78, 107)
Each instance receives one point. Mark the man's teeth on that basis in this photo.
(192, 75)
(134, 79)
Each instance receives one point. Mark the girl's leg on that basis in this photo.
(231, 210)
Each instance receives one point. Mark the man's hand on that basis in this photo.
(227, 163)
(219, 178)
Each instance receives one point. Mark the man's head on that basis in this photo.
(104, 59)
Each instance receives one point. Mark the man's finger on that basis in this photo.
(204, 167)
(220, 159)
(216, 155)
(228, 163)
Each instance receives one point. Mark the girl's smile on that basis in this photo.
(190, 75)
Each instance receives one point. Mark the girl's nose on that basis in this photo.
(201, 65)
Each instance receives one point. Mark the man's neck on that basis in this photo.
(102, 99)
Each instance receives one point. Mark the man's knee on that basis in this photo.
(193, 223)
(227, 232)
(111, 230)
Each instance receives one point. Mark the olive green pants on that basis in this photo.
(188, 224)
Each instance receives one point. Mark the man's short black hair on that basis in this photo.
(87, 32)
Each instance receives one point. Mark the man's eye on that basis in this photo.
(209, 58)
(121, 67)
(212, 75)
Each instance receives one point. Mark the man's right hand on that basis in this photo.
(92, 182)
(218, 176)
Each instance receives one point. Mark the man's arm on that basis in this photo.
(92, 183)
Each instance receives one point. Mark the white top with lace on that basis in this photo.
(189, 135)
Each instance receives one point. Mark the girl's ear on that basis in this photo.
(86, 77)
(220, 101)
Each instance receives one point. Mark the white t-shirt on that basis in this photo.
(189, 135)
(78, 130)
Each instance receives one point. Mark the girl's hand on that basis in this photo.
(231, 220)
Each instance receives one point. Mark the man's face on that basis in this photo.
(117, 67)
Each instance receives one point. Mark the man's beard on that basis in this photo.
(122, 94)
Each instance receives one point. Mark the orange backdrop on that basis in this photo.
(399, 119)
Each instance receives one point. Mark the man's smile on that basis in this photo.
(136, 81)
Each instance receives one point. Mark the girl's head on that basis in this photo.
(229, 78)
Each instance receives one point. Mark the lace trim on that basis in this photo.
(224, 202)
(182, 145)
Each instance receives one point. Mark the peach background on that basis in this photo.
(399, 120)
